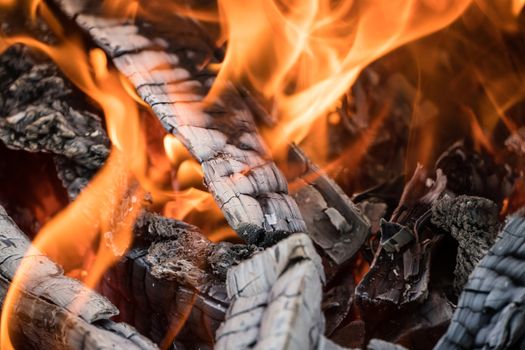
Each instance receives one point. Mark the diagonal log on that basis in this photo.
(222, 136)
(53, 311)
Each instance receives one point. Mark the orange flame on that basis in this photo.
(106, 210)
(305, 54)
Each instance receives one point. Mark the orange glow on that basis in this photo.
(305, 54)
(106, 210)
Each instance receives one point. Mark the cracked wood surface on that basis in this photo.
(54, 311)
(276, 300)
(246, 184)
(490, 312)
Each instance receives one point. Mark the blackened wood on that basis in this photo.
(38, 113)
(171, 271)
(276, 300)
(399, 275)
(474, 224)
(490, 312)
(221, 135)
(334, 222)
(378, 344)
(54, 311)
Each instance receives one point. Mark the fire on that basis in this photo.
(301, 55)
(105, 212)
(304, 55)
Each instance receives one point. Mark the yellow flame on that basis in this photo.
(304, 54)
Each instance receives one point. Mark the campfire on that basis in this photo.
(270, 174)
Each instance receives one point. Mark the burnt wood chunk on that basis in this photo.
(173, 278)
(40, 114)
(221, 135)
(54, 311)
(474, 224)
(334, 223)
(399, 275)
(276, 300)
(491, 312)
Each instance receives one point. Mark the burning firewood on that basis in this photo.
(276, 300)
(222, 136)
(399, 274)
(173, 277)
(41, 116)
(54, 311)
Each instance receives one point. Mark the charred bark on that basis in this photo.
(473, 222)
(40, 113)
(490, 310)
(221, 135)
(399, 275)
(54, 311)
(334, 223)
(173, 279)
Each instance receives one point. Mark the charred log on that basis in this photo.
(173, 279)
(53, 311)
(490, 310)
(473, 222)
(222, 136)
(399, 275)
(39, 114)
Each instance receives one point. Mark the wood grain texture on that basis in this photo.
(222, 135)
(491, 312)
(54, 311)
(276, 297)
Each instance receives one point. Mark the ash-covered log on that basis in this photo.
(276, 300)
(41, 113)
(172, 282)
(491, 312)
(52, 311)
(222, 135)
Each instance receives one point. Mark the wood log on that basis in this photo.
(173, 278)
(399, 275)
(490, 312)
(276, 300)
(474, 224)
(54, 311)
(41, 113)
(333, 221)
(221, 135)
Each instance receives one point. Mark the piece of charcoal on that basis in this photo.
(39, 114)
(473, 222)
(173, 278)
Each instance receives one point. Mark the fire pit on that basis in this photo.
(302, 174)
